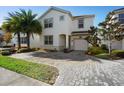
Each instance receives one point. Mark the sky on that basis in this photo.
(100, 12)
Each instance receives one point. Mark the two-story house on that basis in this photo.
(119, 14)
(61, 30)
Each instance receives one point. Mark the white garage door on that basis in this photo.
(80, 44)
(117, 45)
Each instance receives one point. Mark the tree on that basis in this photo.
(29, 24)
(93, 38)
(12, 24)
(111, 29)
(1, 38)
(22, 22)
(7, 37)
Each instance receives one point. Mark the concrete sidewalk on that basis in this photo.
(10, 78)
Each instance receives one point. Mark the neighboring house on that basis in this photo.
(62, 30)
(120, 16)
(1, 35)
(119, 13)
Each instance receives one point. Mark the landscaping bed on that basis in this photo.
(103, 56)
(24, 50)
(115, 54)
(102, 52)
(37, 71)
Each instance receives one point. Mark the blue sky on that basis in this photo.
(99, 11)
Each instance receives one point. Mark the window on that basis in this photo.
(121, 18)
(61, 18)
(81, 23)
(48, 40)
(48, 23)
(23, 40)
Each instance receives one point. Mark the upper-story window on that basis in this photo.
(61, 18)
(48, 23)
(121, 18)
(81, 23)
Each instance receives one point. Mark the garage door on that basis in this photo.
(117, 45)
(80, 44)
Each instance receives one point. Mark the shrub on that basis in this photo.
(104, 47)
(66, 50)
(95, 50)
(103, 56)
(118, 53)
(7, 46)
(23, 50)
(6, 52)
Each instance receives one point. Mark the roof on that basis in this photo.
(80, 33)
(118, 9)
(84, 16)
(57, 9)
(64, 11)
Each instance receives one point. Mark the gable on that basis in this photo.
(57, 10)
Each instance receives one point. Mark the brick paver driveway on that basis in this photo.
(76, 68)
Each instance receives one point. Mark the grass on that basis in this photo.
(103, 56)
(114, 56)
(40, 72)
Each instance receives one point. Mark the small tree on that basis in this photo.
(12, 24)
(7, 37)
(93, 38)
(111, 29)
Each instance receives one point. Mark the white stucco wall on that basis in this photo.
(66, 26)
(59, 27)
(34, 41)
(88, 22)
(123, 44)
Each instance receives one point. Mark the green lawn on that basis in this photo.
(40, 72)
(103, 56)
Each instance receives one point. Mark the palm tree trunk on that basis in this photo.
(19, 42)
(28, 39)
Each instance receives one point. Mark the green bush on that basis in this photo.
(103, 56)
(6, 52)
(96, 50)
(104, 47)
(23, 50)
(118, 53)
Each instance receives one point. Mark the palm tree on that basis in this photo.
(12, 24)
(30, 25)
(22, 22)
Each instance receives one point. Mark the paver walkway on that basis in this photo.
(10, 78)
(76, 68)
